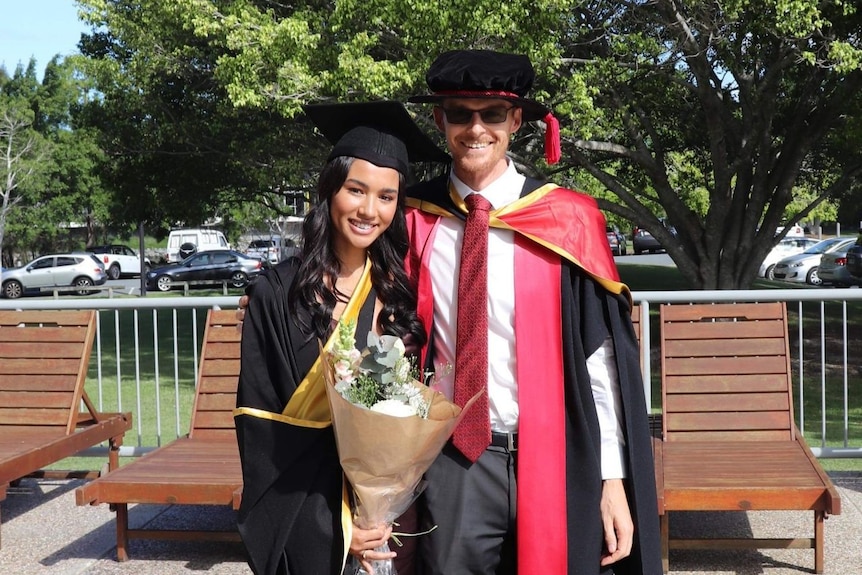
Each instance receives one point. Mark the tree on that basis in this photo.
(709, 113)
(62, 187)
(179, 151)
(19, 155)
(199, 100)
(753, 94)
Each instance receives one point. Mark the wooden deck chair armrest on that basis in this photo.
(237, 497)
(833, 499)
(91, 409)
(88, 494)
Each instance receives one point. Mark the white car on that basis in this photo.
(786, 247)
(267, 249)
(119, 260)
(804, 267)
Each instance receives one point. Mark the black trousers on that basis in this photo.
(474, 508)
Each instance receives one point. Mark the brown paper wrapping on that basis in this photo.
(384, 457)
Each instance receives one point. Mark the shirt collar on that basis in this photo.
(502, 191)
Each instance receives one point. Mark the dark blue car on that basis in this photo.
(206, 269)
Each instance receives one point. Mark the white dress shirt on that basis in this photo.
(502, 378)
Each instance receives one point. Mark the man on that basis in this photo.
(564, 482)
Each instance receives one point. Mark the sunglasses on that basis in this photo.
(494, 115)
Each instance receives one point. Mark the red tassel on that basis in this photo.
(552, 139)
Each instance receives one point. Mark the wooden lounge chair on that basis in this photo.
(729, 441)
(202, 468)
(44, 356)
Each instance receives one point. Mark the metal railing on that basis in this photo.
(152, 346)
(146, 345)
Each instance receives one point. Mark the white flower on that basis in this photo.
(402, 369)
(354, 356)
(418, 403)
(394, 408)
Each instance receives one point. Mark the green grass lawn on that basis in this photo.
(651, 278)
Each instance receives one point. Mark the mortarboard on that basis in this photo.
(380, 132)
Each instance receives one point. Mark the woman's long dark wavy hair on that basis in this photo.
(319, 262)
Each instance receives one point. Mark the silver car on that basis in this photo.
(785, 247)
(833, 268)
(805, 267)
(57, 270)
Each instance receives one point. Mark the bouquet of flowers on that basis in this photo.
(380, 378)
(389, 427)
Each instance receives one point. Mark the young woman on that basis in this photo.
(293, 518)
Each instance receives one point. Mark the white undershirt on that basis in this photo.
(502, 378)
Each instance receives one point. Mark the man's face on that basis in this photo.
(478, 146)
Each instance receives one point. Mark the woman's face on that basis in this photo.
(363, 207)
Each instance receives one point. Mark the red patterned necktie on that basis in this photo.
(473, 434)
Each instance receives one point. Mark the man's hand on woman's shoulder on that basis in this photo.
(240, 311)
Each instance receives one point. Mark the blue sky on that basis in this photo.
(38, 28)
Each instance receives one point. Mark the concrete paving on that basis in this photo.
(45, 533)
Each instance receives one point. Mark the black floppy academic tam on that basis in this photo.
(487, 74)
(380, 132)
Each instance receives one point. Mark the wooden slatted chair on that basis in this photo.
(729, 441)
(44, 357)
(202, 468)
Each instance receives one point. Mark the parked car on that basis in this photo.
(786, 247)
(854, 260)
(120, 260)
(616, 240)
(833, 268)
(206, 268)
(52, 271)
(805, 267)
(644, 241)
(267, 249)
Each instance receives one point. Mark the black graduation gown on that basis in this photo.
(290, 516)
(590, 314)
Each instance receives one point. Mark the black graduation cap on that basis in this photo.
(380, 132)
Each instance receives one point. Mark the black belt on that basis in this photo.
(503, 439)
